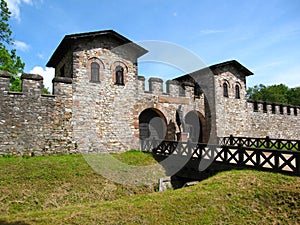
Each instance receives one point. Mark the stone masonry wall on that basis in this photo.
(86, 115)
(106, 115)
(32, 123)
(264, 122)
(103, 112)
(237, 116)
(231, 112)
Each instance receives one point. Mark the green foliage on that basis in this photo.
(294, 96)
(45, 91)
(5, 31)
(275, 93)
(15, 84)
(9, 61)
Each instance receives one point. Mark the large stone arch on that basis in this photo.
(152, 124)
(196, 125)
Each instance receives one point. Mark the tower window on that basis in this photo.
(181, 91)
(95, 72)
(119, 75)
(225, 89)
(237, 91)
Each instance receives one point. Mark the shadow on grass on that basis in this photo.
(190, 171)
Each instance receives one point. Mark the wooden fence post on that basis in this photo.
(231, 140)
(241, 154)
(297, 158)
(267, 142)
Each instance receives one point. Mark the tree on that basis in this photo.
(275, 93)
(9, 61)
(294, 96)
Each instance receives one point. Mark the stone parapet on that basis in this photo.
(4, 81)
(32, 84)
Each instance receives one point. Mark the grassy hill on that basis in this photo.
(65, 190)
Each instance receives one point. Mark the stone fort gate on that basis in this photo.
(100, 103)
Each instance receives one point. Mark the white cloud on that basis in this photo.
(22, 46)
(14, 7)
(47, 73)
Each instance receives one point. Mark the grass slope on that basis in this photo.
(233, 197)
(40, 183)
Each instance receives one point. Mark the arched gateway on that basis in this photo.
(197, 127)
(152, 124)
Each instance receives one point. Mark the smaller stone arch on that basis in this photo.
(237, 89)
(92, 63)
(116, 68)
(225, 86)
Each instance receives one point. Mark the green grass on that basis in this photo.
(65, 190)
(135, 158)
(39, 183)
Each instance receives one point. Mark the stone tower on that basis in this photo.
(103, 67)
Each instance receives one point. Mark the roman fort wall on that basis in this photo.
(240, 117)
(274, 120)
(32, 123)
(91, 111)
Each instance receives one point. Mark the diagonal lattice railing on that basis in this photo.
(287, 161)
(267, 142)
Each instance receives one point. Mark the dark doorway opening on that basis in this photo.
(152, 124)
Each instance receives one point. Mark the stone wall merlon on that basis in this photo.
(271, 103)
(273, 108)
(5, 74)
(26, 76)
(4, 82)
(173, 87)
(141, 78)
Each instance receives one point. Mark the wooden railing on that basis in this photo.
(267, 142)
(287, 161)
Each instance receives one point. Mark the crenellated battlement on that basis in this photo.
(32, 123)
(32, 85)
(173, 88)
(103, 105)
(273, 108)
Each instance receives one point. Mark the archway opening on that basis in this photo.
(194, 126)
(152, 124)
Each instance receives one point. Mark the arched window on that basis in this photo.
(225, 89)
(119, 75)
(237, 91)
(95, 72)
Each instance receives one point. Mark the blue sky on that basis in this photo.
(264, 36)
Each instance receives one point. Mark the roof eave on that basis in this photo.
(67, 41)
